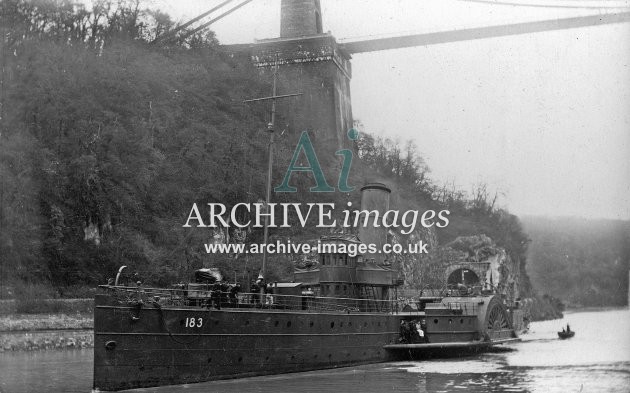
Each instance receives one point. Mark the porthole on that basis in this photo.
(461, 321)
(311, 324)
(110, 345)
(350, 323)
(277, 323)
(267, 359)
(435, 321)
(288, 323)
(332, 325)
(209, 360)
(240, 359)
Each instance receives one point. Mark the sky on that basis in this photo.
(543, 118)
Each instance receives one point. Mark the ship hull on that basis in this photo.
(149, 345)
(141, 342)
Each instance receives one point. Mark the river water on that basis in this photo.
(597, 359)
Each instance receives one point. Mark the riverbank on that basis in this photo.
(575, 309)
(33, 305)
(544, 308)
(46, 340)
(38, 322)
(596, 360)
(37, 332)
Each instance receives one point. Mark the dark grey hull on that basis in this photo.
(143, 344)
(150, 346)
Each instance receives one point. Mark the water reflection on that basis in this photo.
(375, 378)
(597, 359)
(47, 371)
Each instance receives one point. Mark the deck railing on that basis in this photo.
(208, 298)
(465, 308)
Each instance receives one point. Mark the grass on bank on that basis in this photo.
(44, 299)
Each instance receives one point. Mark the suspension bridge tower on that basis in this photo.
(309, 61)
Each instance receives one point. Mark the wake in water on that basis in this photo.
(596, 360)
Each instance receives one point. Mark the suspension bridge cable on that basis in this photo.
(539, 5)
(171, 34)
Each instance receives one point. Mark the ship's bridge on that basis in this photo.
(346, 274)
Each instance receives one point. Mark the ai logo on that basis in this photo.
(305, 144)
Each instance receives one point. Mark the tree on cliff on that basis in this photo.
(584, 262)
(106, 141)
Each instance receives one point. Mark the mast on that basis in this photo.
(270, 128)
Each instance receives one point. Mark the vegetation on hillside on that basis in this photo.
(582, 262)
(106, 141)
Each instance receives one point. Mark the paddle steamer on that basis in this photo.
(345, 311)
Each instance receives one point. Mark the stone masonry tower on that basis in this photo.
(311, 62)
(300, 18)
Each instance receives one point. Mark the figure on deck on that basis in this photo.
(405, 333)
